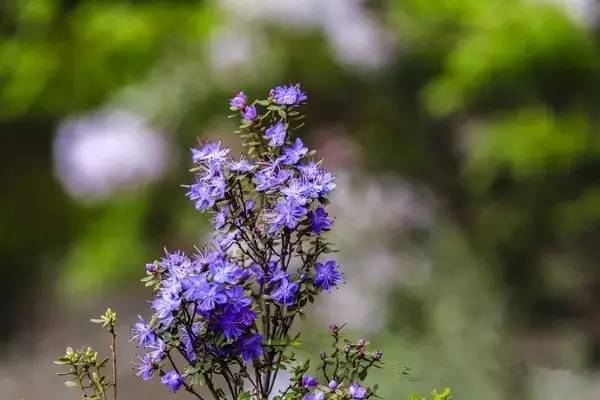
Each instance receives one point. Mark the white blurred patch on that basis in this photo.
(368, 212)
(229, 48)
(355, 36)
(98, 155)
(559, 384)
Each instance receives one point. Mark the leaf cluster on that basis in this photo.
(85, 372)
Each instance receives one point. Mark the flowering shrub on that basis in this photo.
(222, 316)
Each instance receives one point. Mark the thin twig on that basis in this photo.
(113, 349)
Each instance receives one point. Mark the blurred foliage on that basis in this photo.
(491, 105)
(61, 57)
(444, 395)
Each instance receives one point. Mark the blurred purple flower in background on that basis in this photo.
(352, 32)
(98, 155)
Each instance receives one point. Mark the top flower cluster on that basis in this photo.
(280, 171)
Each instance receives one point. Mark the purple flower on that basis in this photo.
(276, 133)
(220, 218)
(199, 193)
(224, 240)
(309, 382)
(173, 260)
(172, 380)
(188, 344)
(249, 113)
(319, 220)
(241, 166)
(142, 332)
(237, 297)
(318, 395)
(212, 296)
(293, 154)
(209, 151)
(238, 101)
(164, 306)
(332, 384)
(271, 177)
(207, 295)
(250, 347)
(145, 367)
(156, 350)
(309, 170)
(327, 275)
(234, 322)
(171, 284)
(288, 95)
(217, 186)
(287, 213)
(208, 257)
(273, 275)
(297, 188)
(324, 183)
(357, 392)
(223, 271)
(195, 287)
(285, 293)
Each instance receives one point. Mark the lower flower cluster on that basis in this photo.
(202, 311)
(343, 370)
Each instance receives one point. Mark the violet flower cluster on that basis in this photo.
(343, 370)
(227, 310)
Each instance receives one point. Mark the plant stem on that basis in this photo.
(113, 349)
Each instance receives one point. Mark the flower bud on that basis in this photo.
(151, 268)
(332, 385)
(238, 101)
(249, 113)
(309, 382)
(334, 329)
(377, 355)
(360, 353)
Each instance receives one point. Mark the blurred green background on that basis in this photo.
(465, 139)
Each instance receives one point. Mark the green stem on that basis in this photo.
(113, 349)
